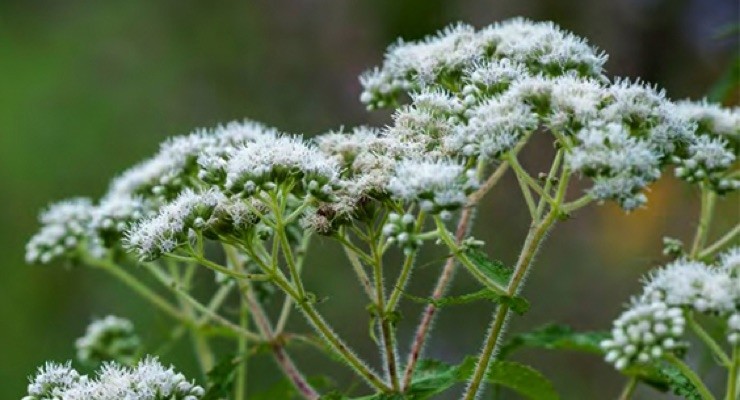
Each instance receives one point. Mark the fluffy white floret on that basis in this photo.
(272, 162)
(148, 380)
(437, 185)
(65, 226)
(694, 284)
(169, 228)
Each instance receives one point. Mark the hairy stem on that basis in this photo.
(709, 341)
(691, 376)
(430, 310)
(531, 244)
(259, 316)
(732, 374)
(629, 388)
(288, 302)
(705, 218)
(728, 238)
(141, 289)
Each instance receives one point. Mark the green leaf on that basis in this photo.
(493, 269)
(556, 337)
(432, 377)
(518, 304)
(221, 379)
(664, 377)
(520, 378)
(678, 383)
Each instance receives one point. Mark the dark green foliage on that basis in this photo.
(493, 269)
(555, 337)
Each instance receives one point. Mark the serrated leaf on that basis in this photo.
(221, 379)
(678, 383)
(493, 269)
(556, 337)
(518, 377)
(431, 377)
(517, 304)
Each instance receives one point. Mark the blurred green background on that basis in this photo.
(89, 88)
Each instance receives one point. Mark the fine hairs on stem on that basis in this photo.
(465, 104)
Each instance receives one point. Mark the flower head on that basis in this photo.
(437, 185)
(65, 230)
(643, 333)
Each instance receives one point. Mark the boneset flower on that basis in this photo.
(170, 228)
(65, 228)
(148, 380)
(437, 185)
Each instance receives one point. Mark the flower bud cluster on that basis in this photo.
(148, 380)
(436, 185)
(65, 228)
(707, 160)
(644, 333)
(681, 287)
(402, 230)
(108, 339)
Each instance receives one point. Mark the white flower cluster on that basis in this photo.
(171, 227)
(620, 164)
(645, 333)
(265, 164)
(65, 227)
(149, 380)
(479, 93)
(439, 186)
(694, 285)
(108, 339)
(538, 47)
(174, 166)
(654, 323)
(708, 160)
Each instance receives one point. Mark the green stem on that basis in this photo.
(690, 375)
(141, 289)
(450, 242)
(708, 198)
(550, 179)
(732, 374)
(708, 340)
(288, 302)
(201, 347)
(531, 245)
(359, 270)
(629, 389)
(385, 324)
(341, 349)
(720, 243)
(240, 390)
